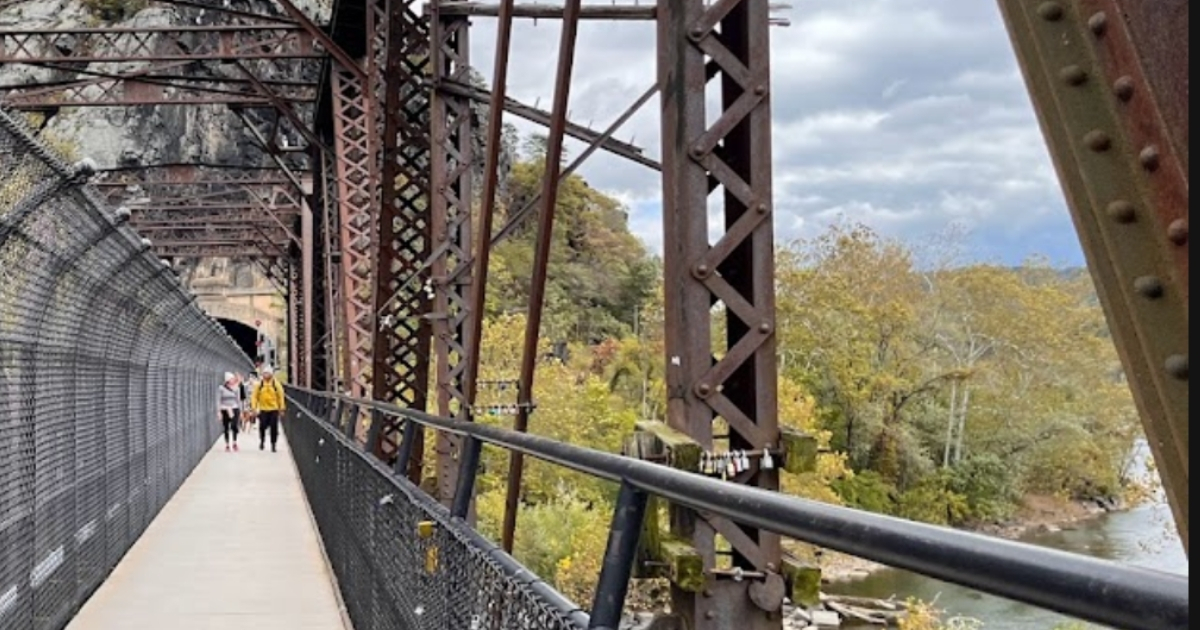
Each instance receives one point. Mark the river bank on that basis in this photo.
(1037, 514)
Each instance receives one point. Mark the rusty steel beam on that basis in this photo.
(169, 220)
(354, 139)
(110, 91)
(157, 43)
(1109, 84)
(188, 210)
(306, 285)
(283, 106)
(737, 270)
(200, 183)
(209, 250)
(184, 172)
(537, 11)
(335, 338)
(532, 114)
(541, 262)
(463, 502)
(452, 163)
(344, 63)
(402, 339)
(247, 233)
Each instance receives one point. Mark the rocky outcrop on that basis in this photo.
(128, 136)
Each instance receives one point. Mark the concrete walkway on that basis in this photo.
(234, 549)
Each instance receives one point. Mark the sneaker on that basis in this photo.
(226, 448)
(235, 447)
(261, 446)
(272, 448)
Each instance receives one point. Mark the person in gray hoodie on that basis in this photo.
(229, 402)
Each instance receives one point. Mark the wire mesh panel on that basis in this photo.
(401, 562)
(108, 380)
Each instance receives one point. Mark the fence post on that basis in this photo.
(468, 469)
(619, 558)
(335, 418)
(406, 448)
(374, 432)
(348, 430)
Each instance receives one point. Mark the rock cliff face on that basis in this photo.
(148, 134)
(129, 136)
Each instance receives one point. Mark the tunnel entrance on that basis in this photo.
(245, 336)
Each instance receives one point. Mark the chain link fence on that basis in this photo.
(401, 562)
(108, 381)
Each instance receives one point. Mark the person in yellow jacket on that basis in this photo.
(268, 402)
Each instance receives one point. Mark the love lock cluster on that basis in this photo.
(731, 463)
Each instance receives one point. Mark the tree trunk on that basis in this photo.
(950, 423)
(962, 422)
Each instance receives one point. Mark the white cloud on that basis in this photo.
(904, 114)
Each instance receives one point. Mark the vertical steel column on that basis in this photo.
(619, 558)
(403, 335)
(335, 333)
(354, 131)
(307, 286)
(541, 261)
(1109, 81)
(733, 154)
(483, 244)
(451, 165)
(294, 324)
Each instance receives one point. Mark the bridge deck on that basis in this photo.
(234, 548)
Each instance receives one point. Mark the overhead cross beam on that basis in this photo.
(157, 43)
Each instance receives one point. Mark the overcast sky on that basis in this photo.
(907, 115)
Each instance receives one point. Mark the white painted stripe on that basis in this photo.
(85, 532)
(47, 566)
(8, 600)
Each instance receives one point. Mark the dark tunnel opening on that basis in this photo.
(245, 336)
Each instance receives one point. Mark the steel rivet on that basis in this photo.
(764, 327)
(1122, 212)
(707, 593)
(1098, 23)
(1177, 366)
(1149, 287)
(697, 33)
(1178, 231)
(697, 151)
(701, 271)
(1051, 11)
(710, 615)
(762, 208)
(1149, 158)
(1097, 141)
(703, 390)
(760, 90)
(1123, 88)
(1073, 75)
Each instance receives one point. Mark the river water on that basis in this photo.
(1144, 536)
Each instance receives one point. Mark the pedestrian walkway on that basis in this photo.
(234, 549)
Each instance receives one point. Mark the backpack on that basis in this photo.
(278, 388)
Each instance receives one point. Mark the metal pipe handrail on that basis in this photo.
(1091, 589)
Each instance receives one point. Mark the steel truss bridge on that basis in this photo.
(358, 206)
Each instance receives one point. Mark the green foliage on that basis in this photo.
(940, 394)
(867, 490)
(561, 539)
(599, 274)
(953, 391)
(987, 484)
